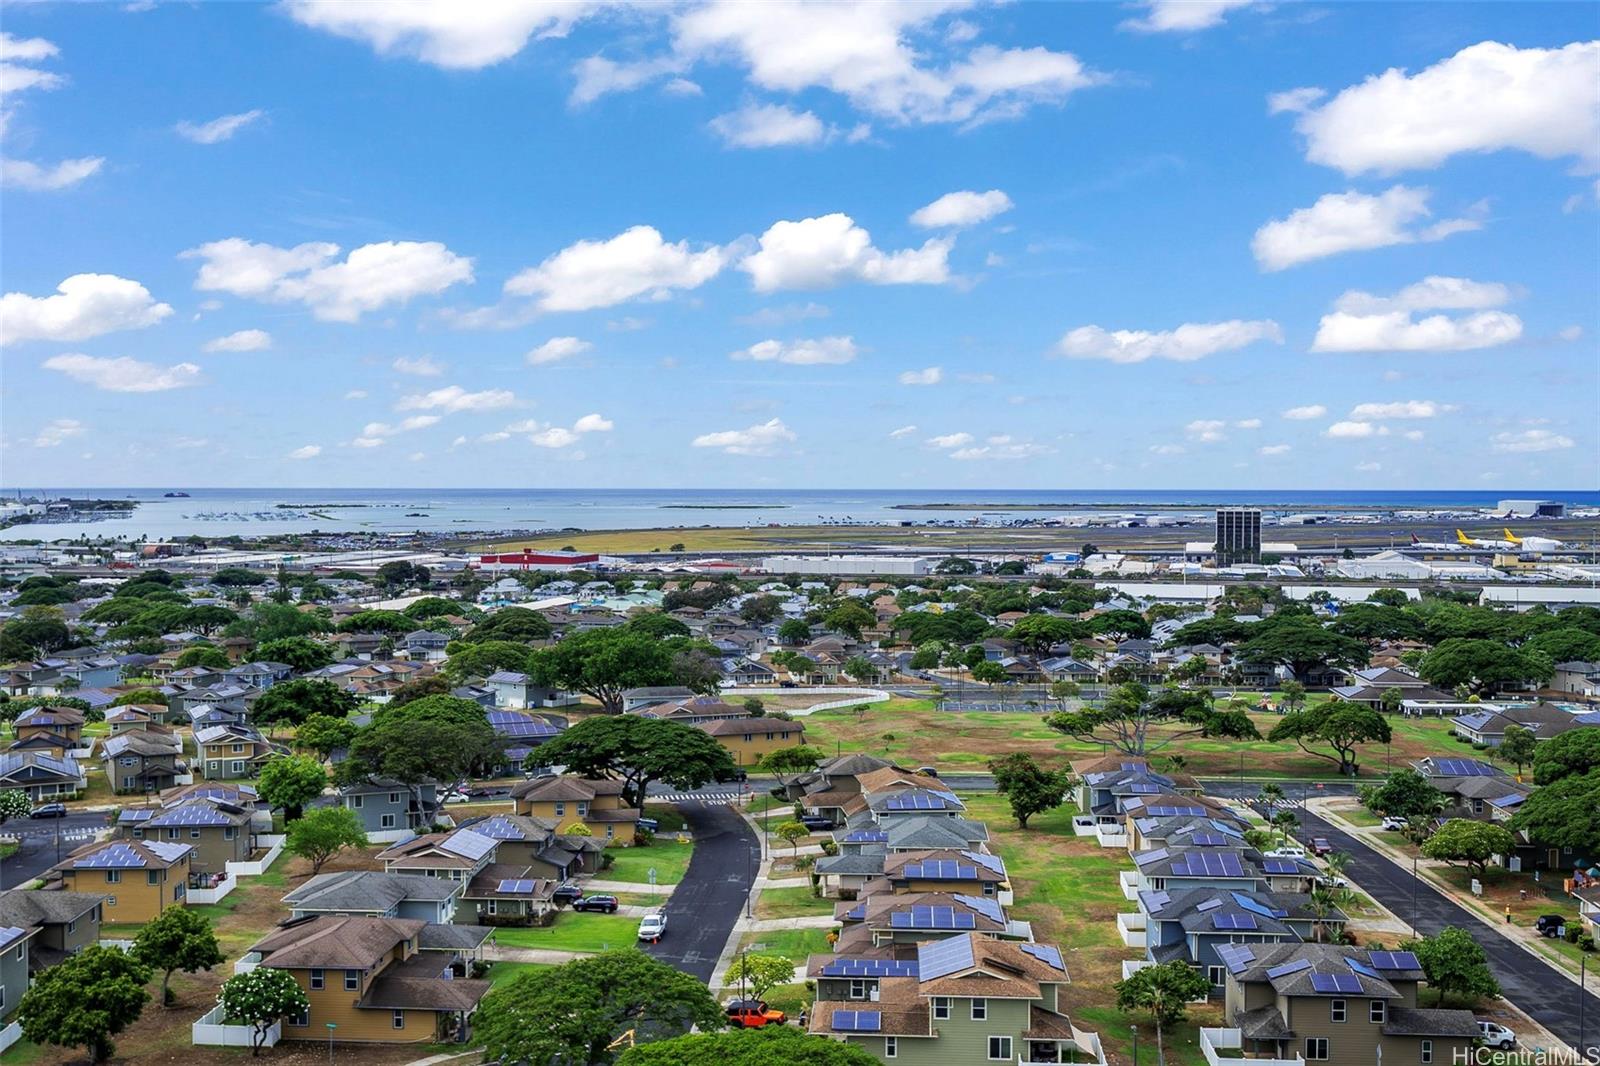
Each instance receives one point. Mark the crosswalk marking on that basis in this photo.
(714, 798)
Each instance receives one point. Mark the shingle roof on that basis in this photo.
(335, 942)
(24, 907)
(363, 890)
(1414, 1021)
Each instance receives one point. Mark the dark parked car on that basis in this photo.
(732, 775)
(49, 810)
(816, 821)
(1320, 846)
(566, 894)
(1550, 925)
(648, 824)
(786, 684)
(604, 904)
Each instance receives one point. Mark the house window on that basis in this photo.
(858, 990)
(355, 802)
(1317, 1047)
(138, 834)
(352, 980)
(172, 834)
(238, 766)
(302, 1019)
(194, 834)
(399, 1021)
(1427, 1051)
(988, 888)
(1158, 884)
(386, 821)
(111, 901)
(394, 797)
(561, 810)
(1000, 1048)
(1338, 1010)
(980, 1010)
(229, 832)
(1377, 1011)
(113, 876)
(1214, 974)
(941, 1008)
(583, 808)
(237, 748)
(318, 979)
(213, 766)
(152, 877)
(610, 832)
(891, 1047)
(127, 782)
(72, 926)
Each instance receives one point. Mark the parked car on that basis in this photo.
(1550, 925)
(1320, 846)
(1286, 851)
(603, 904)
(1333, 882)
(786, 684)
(1394, 822)
(648, 824)
(816, 821)
(754, 1014)
(653, 927)
(566, 894)
(927, 771)
(728, 776)
(1496, 1035)
(49, 810)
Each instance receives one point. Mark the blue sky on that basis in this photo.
(534, 244)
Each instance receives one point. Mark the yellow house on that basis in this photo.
(569, 800)
(749, 739)
(371, 979)
(140, 878)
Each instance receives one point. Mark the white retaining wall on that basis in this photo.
(214, 894)
(210, 1031)
(856, 695)
(10, 1035)
(274, 846)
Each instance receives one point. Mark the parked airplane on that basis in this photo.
(1535, 544)
(1494, 545)
(1436, 546)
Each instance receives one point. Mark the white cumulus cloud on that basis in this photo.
(58, 432)
(1206, 430)
(445, 33)
(765, 438)
(306, 451)
(1247, 423)
(218, 129)
(1351, 222)
(1306, 412)
(927, 376)
(373, 434)
(1488, 97)
(903, 431)
(963, 208)
(84, 306)
(123, 374)
(1532, 440)
(1356, 430)
(1186, 343)
(1183, 16)
(453, 398)
(370, 277)
(769, 126)
(951, 440)
(635, 263)
(820, 351)
(36, 177)
(556, 349)
(1362, 322)
(1274, 449)
(244, 340)
(1002, 449)
(421, 366)
(1370, 412)
(818, 253)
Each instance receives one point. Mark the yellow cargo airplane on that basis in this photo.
(1488, 545)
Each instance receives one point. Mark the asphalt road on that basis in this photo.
(1528, 982)
(702, 910)
(38, 839)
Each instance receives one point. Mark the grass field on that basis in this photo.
(575, 931)
(501, 972)
(912, 733)
(794, 944)
(668, 859)
(710, 538)
(790, 903)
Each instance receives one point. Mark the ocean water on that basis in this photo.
(221, 512)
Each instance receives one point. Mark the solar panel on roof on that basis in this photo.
(989, 908)
(1233, 921)
(940, 958)
(1144, 789)
(1344, 983)
(1048, 954)
(518, 887)
(1236, 957)
(468, 844)
(1395, 960)
(843, 1021)
(1150, 856)
(870, 968)
(110, 857)
(1362, 968)
(1281, 866)
(1255, 907)
(1209, 905)
(9, 935)
(1209, 840)
(1288, 968)
(1463, 768)
(869, 1021)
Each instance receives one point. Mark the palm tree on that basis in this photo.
(1338, 862)
(1320, 904)
(1285, 822)
(1259, 839)
(1271, 796)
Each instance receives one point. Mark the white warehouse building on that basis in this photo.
(849, 565)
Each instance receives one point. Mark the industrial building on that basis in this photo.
(849, 565)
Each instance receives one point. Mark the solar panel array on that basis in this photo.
(856, 913)
(1209, 905)
(993, 863)
(111, 857)
(856, 1021)
(468, 844)
(1395, 960)
(1288, 968)
(940, 958)
(921, 801)
(866, 836)
(985, 906)
(500, 828)
(512, 724)
(1236, 957)
(1223, 827)
(519, 887)
(1150, 856)
(1206, 864)
(1280, 866)
(1155, 902)
(1143, 789)
(933, 918)
(191, 814)
(1463, 768)
(1209, 840)
(1344, 983)
(940, 870)
(1176, 812)
(9, 935)
(1362, 968)
(1048, 954)
(1256, 907)
(870, 968)
(1234, 921)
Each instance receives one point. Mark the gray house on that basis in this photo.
(390, 810)
(377, 895)
(14, 944)
(65, 923)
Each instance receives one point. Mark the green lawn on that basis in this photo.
(575, 932)
(790, 903)
(794, 944)
(501, 972)
(668, 859)
(1359, 816)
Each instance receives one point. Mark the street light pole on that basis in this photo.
(1414, 899)
(1583, 962)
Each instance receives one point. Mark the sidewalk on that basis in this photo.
(634, 888)
(550, 957)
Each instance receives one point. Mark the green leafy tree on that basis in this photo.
(1038, 633)
(29, 637)
(484, 658)
(177, 939)
(516, 624)
(1482, 665)
(760, 610)
(989, 673)
(1472, 843)
(794, 631)
(323, 833)
(1292, 694)
(1573, 753)
(603, 663)
(434, 738)
(139, 695)
(1028, 787)
(207, 618)
(1300, 642)
(639, 751)
(759, 974)
(1131, 711)
(791, 833)
(411, 691)
(1517, 747)
(391, 622)
(584, 1006)
(301, 653)
(770, 1045)
(400, 574)
(1563, 814)
(658, 624)
(1120, 624)
(292, 702)
(235, 577)
(14, 803)
(292, 781)
(85, 1000)
(260, 997)
(1566, 645)
(324, 735)
(1164, 991)
(1455, 963)
(785, 763)
(271, 621)
(204, 655)
(859, 668)
(431, 607)
(1337, 724)
(850, 617)
(954, 565)
(1406, 794)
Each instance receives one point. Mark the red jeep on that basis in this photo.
(754, 1013)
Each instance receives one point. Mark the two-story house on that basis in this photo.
(231, 751)
(1194, 926)
(1339, 1005)
(143, 761)
(218, 831)
(370, 981)
(64, 923)
(492, 892)
(514, 690)
(57, 730)
(16, 962)
(41, 776)
(377, 894)
(390, 810)
(568, 800)
(139, 878)
(749, 739)
(424, 645)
